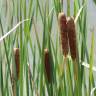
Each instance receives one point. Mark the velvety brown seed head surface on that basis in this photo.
(17, 61)
(72, 37)
(63, 32)
(47, 65)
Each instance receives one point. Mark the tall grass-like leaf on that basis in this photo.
(78, 14)
(37, 38)
(41, 14)
(83, 29)
(1, 76)
(8, 62)
(30, 7)
(42, 58)
(57, 5)
(92, 91)
(91, 78)
(68, 7)
(94, 1)
(75, 7)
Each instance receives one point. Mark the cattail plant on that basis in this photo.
(72, 43)
(63, 32)
(17, 61)
(15, 74)
(47, 65)
(72, 37)
(64, 38)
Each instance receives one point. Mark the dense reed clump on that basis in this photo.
(72, 42)
(47, 65)
(63, 32)
(32, 25)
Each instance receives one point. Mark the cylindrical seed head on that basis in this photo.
(47, 65)
(72, 37)
(63, 32)
(17, 61)
(73, 44)
(15, 77)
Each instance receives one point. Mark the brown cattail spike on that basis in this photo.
(15, 77)
(63, 31)
(72, 43)
(72, 37)
(17, 61)
(15, 74)
(47, 65)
